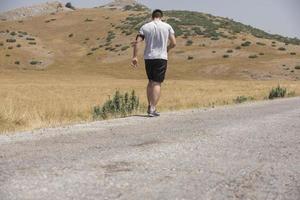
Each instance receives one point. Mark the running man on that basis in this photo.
(160, 39)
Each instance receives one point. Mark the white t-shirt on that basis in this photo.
(157, 34)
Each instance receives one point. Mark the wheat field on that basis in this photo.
(30, 101)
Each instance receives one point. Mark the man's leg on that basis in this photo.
(153, 94)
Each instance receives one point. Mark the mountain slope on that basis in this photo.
(98, 41)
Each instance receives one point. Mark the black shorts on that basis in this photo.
(156, 69)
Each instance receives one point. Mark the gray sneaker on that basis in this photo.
(152, 113)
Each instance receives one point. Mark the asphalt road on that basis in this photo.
(249, 151)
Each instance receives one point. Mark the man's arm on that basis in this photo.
(172, 43)
(135, 45)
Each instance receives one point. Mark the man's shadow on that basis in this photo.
(145, 116)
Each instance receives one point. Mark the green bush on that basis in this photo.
(13, 33)
(19, 45)
(214, 52)
(238, 48)
(293, 53)
(189, 42)
(261, 54)
(229, 51)
(94, 49)
(190, 57)
(260, 43)
(71, 35)
(253, 56)
(125, 48)
(281, 49)
(242, 99)
(34, 62)
(89, 54)
(88, 20)
(10, 47)
(31, 39)
(277, 92)
(32, 43)
(17, 62)
(225, 56)
(11, 40)
(121, 105)
(297, 67)
(246, 44)
(7, 55)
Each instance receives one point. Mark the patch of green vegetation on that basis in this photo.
(125, 48)
(11, 40)
(229, 51)
(30, 39)
(110, 36)
(297, 67)
(94, 49)
(278, 92)
(10, 47)
(189, 43)
(88, 20)
(242, 99)
(260, 43)
(246, 44)
(32, 43)
(17, 62)
(13, 33)
(71, 35)
(213, 51)
(261, 54)
(226, 56)
(7, 55)
(190, 57)
(1, 44)
(121, 105)
(34, 62)
(136, 7)
(293, 53)
(238, 48)
(281, 49)
(89, 54)
(253, 56)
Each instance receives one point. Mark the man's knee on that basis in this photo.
(154, 83)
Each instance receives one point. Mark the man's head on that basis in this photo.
(157, 14)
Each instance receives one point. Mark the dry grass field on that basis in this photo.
(75, 60)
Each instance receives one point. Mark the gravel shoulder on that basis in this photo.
(248, 151)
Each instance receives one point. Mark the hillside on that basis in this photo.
(209, 46)
(55, 66)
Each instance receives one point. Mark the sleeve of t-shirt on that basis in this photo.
(141, 31)
(171, 31)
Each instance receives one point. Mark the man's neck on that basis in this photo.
(156, 19)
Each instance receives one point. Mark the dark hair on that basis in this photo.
(157, 14)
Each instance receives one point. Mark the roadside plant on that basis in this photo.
(278, 92)
(121, 105)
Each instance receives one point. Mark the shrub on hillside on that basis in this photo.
(10, 47)
(13, 33)
(89, 54)
(293, 53)
(261, 54)
(277, 92)
(260, 43)
(189, 42)
(121, 105)
(238, 48)
(297, 67)
(7, 55)
(34, 62)
(229, 51)
(11, 40)
(190, 57)
(32, 43)
(88, 20)
(246, 44)
(1, 44)
(30, 39)
(17, 62)
(125, 48)
(281, 49)
(225, 56)
(253, 56)
(213, 51)
(71, 35)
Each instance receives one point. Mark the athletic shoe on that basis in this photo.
(152, 113)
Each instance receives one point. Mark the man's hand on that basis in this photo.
(134, 62)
